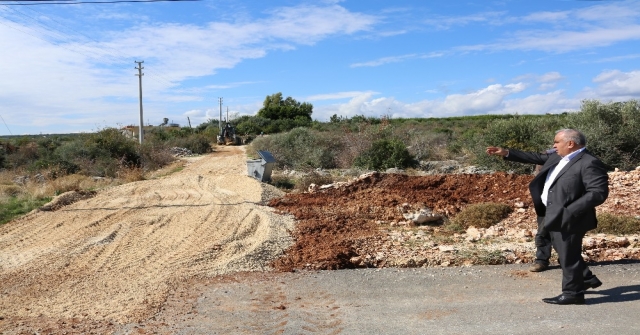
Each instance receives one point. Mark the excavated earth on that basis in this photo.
(364, 224)
(93, 263)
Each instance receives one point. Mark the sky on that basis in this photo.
(72, 68)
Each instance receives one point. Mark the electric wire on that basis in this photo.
(5, 124)
(57, 2)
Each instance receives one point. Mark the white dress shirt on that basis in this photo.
(553, 173)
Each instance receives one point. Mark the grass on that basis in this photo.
(13, 207)
(617, 224)
(19, 199)
(483, 215)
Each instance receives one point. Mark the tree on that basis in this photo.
(276, 108)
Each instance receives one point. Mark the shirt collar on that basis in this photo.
(572, 155)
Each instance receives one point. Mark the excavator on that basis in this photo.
(228, 136)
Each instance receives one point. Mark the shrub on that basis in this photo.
(282, 182)
(482, 215)
(155, 155)
(300, 149)
(385, 154)
(612, 131)
(197, 143)
(617, 224)
(527, 133)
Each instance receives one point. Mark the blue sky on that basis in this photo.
(70, 68)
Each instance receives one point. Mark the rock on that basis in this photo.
(422, 217)
(180, 152)
(474, 233)
(446, 248)
(622, 242)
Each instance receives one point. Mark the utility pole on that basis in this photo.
(140, 74)
(220, 119)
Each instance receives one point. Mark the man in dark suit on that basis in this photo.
(571, 183)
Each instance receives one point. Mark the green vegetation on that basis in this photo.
(299, 143)
(617, 224)
(385, 154)
(483, 215)
(17, 206)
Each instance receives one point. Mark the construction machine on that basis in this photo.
(228, 136)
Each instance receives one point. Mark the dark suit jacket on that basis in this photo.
(578, 188)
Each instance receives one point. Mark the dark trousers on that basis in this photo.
(574, 269)
(543, 253)
(569, 248)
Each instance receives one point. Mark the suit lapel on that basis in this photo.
(553, 161)
(566, 167)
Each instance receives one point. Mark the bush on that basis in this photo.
(300, 149)
(282, 182)
(612, 131)
(385, 154)
(155, 155)
(526, 133)
(617, 224)
(482, 215)
(197, 143)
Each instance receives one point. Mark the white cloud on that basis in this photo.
(73, 77)
(338, 95)
(616, 85)
(550, 77)
(617, 58)
(448, 22)
(564, 31)
(487, 100)
(553, 102)
(397, 59)
(384, 60)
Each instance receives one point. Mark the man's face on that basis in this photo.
(562, 146)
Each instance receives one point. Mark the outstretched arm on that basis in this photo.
(497, 151)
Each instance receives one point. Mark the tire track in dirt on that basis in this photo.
(117, 255)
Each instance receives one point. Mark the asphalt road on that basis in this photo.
(502, 299)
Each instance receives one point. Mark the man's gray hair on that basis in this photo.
(573, 135)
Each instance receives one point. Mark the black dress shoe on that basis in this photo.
(566, 300)
(592, 283)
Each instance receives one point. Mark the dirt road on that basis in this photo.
(115, 257)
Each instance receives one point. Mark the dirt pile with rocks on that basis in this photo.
(363, 223)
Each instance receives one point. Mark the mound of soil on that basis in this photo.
(361, 224)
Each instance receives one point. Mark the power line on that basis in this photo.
(5, 124)
(73, 2)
